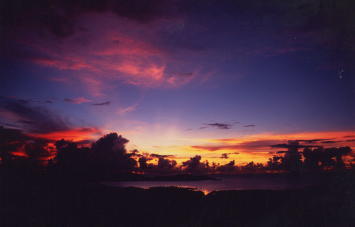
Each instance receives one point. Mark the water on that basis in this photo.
(225, 183)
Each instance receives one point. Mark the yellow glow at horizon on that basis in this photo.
(172, 140)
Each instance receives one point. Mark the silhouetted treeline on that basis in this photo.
(310, 158)
(108, 157)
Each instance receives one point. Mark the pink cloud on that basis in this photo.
(94, 86)
(180, 79)
(62, 64)
(119, 44)
(138, 72)
(109, 51)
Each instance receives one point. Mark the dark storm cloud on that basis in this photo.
(13, 140)
(9, 134)
(102, 103)
(35, 119)
(248, 126)
(13, 126)
(58, 17)
(19, 18)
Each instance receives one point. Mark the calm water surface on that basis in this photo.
(226, 183)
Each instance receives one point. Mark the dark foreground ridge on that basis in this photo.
(52, 202)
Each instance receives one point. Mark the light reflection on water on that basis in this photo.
(224, 183)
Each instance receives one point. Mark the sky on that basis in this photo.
(181, 78)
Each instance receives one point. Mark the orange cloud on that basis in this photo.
(76, 135)
(331, 135)
(20, 153)
(258, 147)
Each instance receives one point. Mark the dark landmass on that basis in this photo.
(43, 201)
(179, 177)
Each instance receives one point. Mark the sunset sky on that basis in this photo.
(181, 77)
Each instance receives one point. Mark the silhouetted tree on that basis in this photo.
(311, 158)
(252, 167)
(166, 163)
(321, 158)
(109, 155)
(195, 166)
(292, 159)
(342, 151)
(227, 168)
(275, 163)
(71, 159)
(143, 163)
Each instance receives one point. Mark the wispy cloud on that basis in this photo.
(101, 103)
(252, 145)
(267, 141)
(125, 110)
(153, 155)
(220, 125)
(78, 100)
